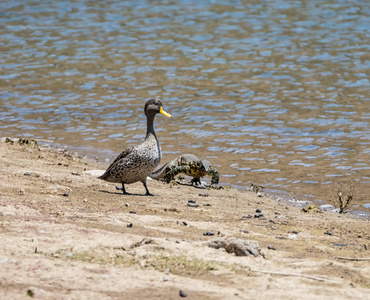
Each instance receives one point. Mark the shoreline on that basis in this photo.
(68, 235)
(288, 197)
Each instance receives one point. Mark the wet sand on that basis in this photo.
(67, 235)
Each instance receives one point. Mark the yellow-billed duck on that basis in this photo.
(136, 163)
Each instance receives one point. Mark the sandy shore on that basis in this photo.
(67, 235)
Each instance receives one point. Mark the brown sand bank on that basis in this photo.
(67, 235)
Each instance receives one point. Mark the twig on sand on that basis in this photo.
(292, 274)
(353, 258)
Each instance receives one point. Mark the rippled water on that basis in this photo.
(272, 92)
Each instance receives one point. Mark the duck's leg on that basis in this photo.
(123, 189)
(147, 191)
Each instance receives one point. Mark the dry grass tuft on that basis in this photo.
(343, 200)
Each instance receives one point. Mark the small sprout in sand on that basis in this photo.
(344, 199)
(30, 293)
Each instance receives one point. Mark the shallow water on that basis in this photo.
(274, 93)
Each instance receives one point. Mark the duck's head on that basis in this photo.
(154, 106)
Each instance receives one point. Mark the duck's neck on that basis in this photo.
(150, 126)
(151, 137)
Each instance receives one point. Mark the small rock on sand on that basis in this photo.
(238, 246)
(183, 294)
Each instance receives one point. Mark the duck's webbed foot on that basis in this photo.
(147, 190)
(122, 188)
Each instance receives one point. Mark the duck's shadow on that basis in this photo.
(122, 194)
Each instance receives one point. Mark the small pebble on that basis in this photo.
(27, 174)
(193, 205)
(127, 204)
(293, 231)
(132, 212)
(258, 215)
(182, 223)
(258, 210)
(271, 248)
(165, 279)
(75, 173)
(118, 188)
(207, 204)
(208, 233)
(328, 233)
(191, 201)
(5, 260)
(204, 195)
(339, 245)
(65, 195)
(183, 294)
(244, 231)
(129, 225)
(246, 217)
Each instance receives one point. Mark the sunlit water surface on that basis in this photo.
(274, 92)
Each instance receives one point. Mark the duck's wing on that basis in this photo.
(123, 155)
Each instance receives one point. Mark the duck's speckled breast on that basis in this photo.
(150, 150)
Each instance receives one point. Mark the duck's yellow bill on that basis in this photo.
(164, 113)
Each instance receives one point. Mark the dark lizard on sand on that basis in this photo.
(188, 164)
